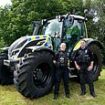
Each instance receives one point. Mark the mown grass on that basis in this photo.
(9, 96)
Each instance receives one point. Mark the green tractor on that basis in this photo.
(29, 60)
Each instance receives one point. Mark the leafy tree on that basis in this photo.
(4, 23)
(16, 20)
(22, 13)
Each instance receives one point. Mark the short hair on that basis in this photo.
(62, 44)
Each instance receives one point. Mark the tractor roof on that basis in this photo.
(78, 17)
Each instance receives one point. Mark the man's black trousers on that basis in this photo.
(86, 78)
(61, 73)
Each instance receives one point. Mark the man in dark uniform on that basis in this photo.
(84, 64)
(61, 72)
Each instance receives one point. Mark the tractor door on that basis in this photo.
(53, 28)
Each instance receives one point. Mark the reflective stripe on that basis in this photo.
(37, 37)
(77, 46)
(33, 38)
(41, 36)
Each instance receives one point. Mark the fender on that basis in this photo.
(25, 48)
(39, 49)
(33, 43)
(45, 49)
(88, 41)
(96, 42)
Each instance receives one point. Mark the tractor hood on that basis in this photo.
(22, 45)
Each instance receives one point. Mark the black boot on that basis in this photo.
(92, 92)
(83, 89)
(82, 93)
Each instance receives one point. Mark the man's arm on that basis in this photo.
(76, 65)
(74, 59)
(55, 58)
(92, 62)
(90, 66)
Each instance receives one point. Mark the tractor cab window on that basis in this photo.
(74, 32)
(53, 28)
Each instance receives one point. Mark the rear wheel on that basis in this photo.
(34, 78)
(97, 60)
(6, 76)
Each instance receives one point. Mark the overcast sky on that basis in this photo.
(4, 2)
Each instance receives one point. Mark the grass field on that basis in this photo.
(9, 96)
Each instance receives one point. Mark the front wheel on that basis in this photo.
(34, 78)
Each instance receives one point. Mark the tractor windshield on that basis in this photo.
(53, 27)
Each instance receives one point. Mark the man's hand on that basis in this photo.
(54, 61)
(90, 67)
(77, 66)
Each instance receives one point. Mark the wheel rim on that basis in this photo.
(41, 75)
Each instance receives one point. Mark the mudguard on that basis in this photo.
(88, 41)
(37, 43)
(22, 46)
(34, 49)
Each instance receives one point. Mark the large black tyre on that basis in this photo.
(98, 58)
(34, 77)
(6, 76)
